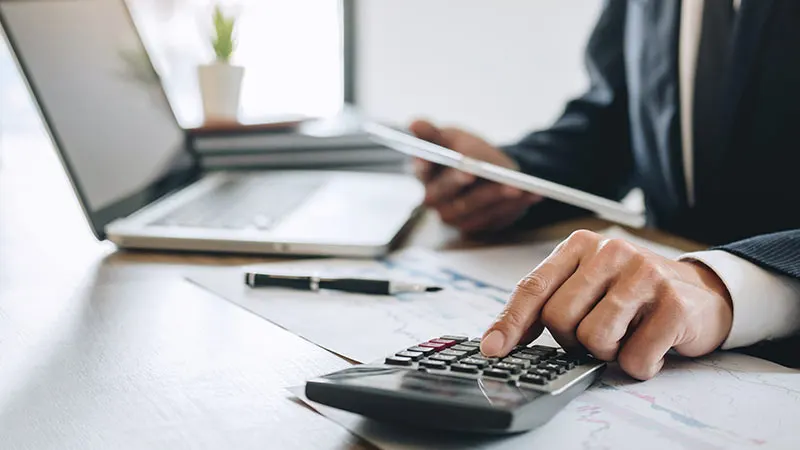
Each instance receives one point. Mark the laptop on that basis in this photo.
(130, 163)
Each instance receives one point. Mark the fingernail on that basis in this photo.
(493, 343)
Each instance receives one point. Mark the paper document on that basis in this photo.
(365, 327)
(724, 401)
(476, 283)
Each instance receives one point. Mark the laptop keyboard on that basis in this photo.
(244, 203)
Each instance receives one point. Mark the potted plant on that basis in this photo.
(221, 81)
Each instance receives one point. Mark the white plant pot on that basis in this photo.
(220, 88)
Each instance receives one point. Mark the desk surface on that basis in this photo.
(108, 349)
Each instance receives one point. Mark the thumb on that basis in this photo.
(427, 131)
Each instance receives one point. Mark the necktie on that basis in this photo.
(712, 59)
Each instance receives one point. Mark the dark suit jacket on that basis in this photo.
(625, 130)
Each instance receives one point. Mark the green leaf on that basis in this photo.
(223, 42)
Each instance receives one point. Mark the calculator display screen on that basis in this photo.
(483, 392)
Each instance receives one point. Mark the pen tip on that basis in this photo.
(433, 289)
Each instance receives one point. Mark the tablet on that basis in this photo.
(403, 142)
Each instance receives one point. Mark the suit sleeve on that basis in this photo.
(588, 147)
(778, 253)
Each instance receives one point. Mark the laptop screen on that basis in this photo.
(101, 100)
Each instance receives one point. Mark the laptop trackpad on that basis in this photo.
(352, 211)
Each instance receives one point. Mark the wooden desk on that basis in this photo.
(105, 349)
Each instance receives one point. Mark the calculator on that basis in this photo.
(446, 384)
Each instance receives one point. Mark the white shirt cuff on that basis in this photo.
(765, 305)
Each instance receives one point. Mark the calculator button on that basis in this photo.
(472, 344)
(463, 368)
(488, 360)
(433, 345)
(533, 379)
(414, 356)
(444, 358)
(553, 368)
(452, 352)
(480, 363)
(580, 359)
(497, 373)
(549, 351)
(513, 368)
(433, 364)
(446, 342)
(564, 363)
(533, 359)
(531, 351)
(465, 348)
(398, 361)
(424, 350)
(522, 363)
(454, 338)
(542, 373)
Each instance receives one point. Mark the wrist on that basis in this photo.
(708, 280)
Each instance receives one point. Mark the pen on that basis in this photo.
(314, 283)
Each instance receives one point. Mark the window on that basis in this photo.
(291, 51)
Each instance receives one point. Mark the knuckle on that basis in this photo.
(618, 303)
(582, 237)
(651, 272)
(598, 342)
(534, 284)
(512, 317)
(617, 247)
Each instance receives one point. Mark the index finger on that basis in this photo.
(532, 292)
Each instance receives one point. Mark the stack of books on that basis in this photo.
(336, 143)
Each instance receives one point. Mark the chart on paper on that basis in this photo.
(724, 401)
(366, 327)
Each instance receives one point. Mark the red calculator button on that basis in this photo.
(446, 342)
(435, 345)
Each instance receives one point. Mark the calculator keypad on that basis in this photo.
(536, 366)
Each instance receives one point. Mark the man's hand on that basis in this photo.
(619, 302)
(462, 201)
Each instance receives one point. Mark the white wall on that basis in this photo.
(500, 67)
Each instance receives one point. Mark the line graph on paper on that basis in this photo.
(725, 401)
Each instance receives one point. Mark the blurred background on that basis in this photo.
(498, 68)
